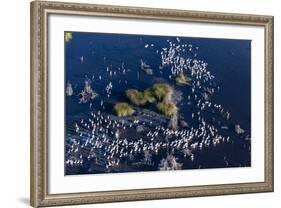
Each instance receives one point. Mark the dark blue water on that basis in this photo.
(87, 57)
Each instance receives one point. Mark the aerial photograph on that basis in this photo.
(139, 103)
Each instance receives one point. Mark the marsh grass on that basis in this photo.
(136, 97)
(123, 109)
(162, 91)
(149, 96)
(182, 80)
(68, 37)
(167, 109)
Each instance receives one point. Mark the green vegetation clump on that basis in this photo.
(167, 109)
(68, 36)
(162, 91)
(136, 97)
(149, 96)
(183, 80)
(123, 109)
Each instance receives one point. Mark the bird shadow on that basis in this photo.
(24, 200)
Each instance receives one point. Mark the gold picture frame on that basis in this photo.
(39, 103)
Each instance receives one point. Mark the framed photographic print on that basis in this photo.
(140, 103)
